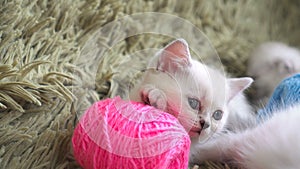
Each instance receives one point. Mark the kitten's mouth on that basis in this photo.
(195, 131)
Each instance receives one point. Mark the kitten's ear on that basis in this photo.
(237, 85)
(175, 55)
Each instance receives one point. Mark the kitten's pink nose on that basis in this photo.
(204, 124)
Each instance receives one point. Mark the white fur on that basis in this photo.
(173, 76)
(274, 144)
(270, 63)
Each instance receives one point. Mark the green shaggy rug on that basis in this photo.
(53, 63)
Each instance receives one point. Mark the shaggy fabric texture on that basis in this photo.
(50, 51)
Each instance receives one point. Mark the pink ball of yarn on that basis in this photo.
(114, 133)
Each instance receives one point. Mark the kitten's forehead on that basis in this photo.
(208, 82)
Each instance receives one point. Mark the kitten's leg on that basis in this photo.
(154, 97)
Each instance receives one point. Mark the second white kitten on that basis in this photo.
(269, 64)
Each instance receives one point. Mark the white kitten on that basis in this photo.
(270, 63)
(203, 99)
(274, 144)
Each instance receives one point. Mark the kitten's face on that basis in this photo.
(196, 94)
(203, 105)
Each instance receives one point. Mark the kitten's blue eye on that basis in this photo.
(194, 103)
(218, 114)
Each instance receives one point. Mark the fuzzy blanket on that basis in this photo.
(58, 57)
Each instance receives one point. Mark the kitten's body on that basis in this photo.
(173, 77)
(274, 144)
(173, 89)
(269, 64)
(174, 81)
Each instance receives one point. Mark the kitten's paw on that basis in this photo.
(154, 97)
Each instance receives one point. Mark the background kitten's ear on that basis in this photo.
(175, 55)
(237, 85)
